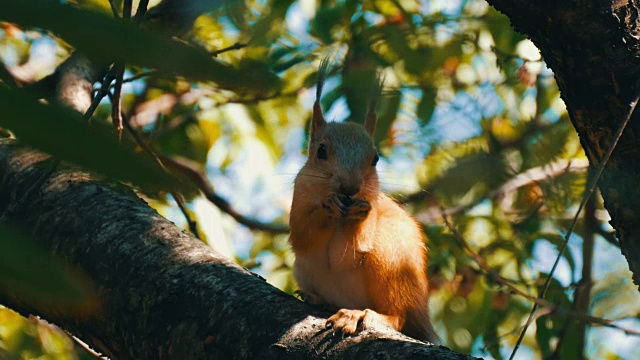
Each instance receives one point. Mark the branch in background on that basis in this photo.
(193, 225)
(154, 72)
(114, 8)
(582, 297)
(260, 98)
(531, 176)
(142, 11)
(116, 100)
(548, 307)
(102, 92)
(235, 46)
(139, 76)
(201, 180)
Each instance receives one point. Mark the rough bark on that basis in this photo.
(164, 294)
(593, 49)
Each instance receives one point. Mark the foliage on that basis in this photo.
(471, 120)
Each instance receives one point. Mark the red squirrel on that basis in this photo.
(355, 248)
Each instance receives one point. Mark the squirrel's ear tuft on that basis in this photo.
(318, 121)
(371, 119)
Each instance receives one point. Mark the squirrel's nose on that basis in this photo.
(349, 189)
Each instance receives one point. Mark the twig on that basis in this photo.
(142, 10)
(139, 76)
(114, 8)
(582, 297)
(127, 7)
(493, 275)
(593, 182)
(102, 92)
(235, 46)
(202, 182)
(116, 103)
(193, 225)
(258, 98)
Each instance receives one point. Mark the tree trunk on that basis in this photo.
(593, 48)
(163, 294)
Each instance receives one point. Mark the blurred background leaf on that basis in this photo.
(32, 273)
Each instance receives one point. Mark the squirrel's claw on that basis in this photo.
(348, 322)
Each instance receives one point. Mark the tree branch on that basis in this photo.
(505, 191)
(163, 293)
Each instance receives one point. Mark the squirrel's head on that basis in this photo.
(344, 154)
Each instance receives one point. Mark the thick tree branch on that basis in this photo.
(163, 293)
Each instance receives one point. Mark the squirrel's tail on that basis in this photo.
(418, 325)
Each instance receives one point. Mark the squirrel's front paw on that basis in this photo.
(349, 322)
(340, 206)
(336, 205)
(359, 209)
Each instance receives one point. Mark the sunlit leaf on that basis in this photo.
(426, 106)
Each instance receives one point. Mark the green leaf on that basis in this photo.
(107, 40)
(426, 106)
(34, 275)
(387, 111)
(473, 175)
(64, 134)
(265, 30)
(330, 97)
(549, 327)
(185, 140)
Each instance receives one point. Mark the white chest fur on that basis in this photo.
(336, 275)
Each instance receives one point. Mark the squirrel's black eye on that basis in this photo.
(322, 152)
(375, 159)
